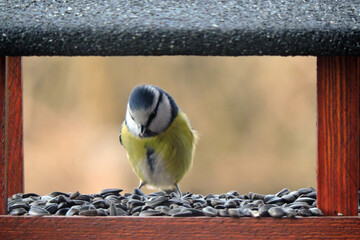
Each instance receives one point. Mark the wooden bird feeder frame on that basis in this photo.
(338, 143)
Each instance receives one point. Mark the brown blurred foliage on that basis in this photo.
(256, 117)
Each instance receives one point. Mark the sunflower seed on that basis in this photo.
(26, 195)
(264, 210)
(18, 211)
(194, 212)
(100, 204)
(150, 212)
(62, 211)
(74, 195)
(268, 197)
(174, 211)
(282, 192)
(73, 211)
(289, 212)
(157, 201)
(275, 200)
(257, 196)
(135, 209)
(235, 212)
(210, 212)
(316, 212)
(113, 210)
(111, 191)
(311, 195)
(38, 211)
(305, 212)
(183, 214)
(55, 194)
(306, 190)
(90, 212)
(305, 199)
(51, 208)
(288, 198)
(254, 214)
(297, 205)
(23, 205)
(224, 213)
(102, 212)
(86, 198)
(276, 212)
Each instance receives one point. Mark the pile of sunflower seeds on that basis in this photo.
(110, 202)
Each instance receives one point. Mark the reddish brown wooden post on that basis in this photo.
(14, 126)
(338, 86)
(3, 167)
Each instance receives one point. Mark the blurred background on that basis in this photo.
(256, 117)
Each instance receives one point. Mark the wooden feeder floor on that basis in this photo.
(13, 227)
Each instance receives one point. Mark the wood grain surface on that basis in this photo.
(338, 86)
(178, 228)
(14, 126)
(3, 167)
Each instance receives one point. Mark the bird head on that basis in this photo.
(150, 111)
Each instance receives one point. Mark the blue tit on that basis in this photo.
(158, 138)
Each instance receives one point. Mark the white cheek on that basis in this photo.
(132, 126)
(163, 116)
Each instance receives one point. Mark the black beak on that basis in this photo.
(142, 130)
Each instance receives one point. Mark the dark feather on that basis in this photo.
(151, 158)
(120, 134)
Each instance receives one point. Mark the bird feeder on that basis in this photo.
(329, 30)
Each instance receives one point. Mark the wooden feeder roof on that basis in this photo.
(172, 27)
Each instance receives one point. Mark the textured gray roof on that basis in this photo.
(179, 27)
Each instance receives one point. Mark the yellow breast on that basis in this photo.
(172, 152)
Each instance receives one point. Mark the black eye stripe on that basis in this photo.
(131, 116)
(152, 116)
